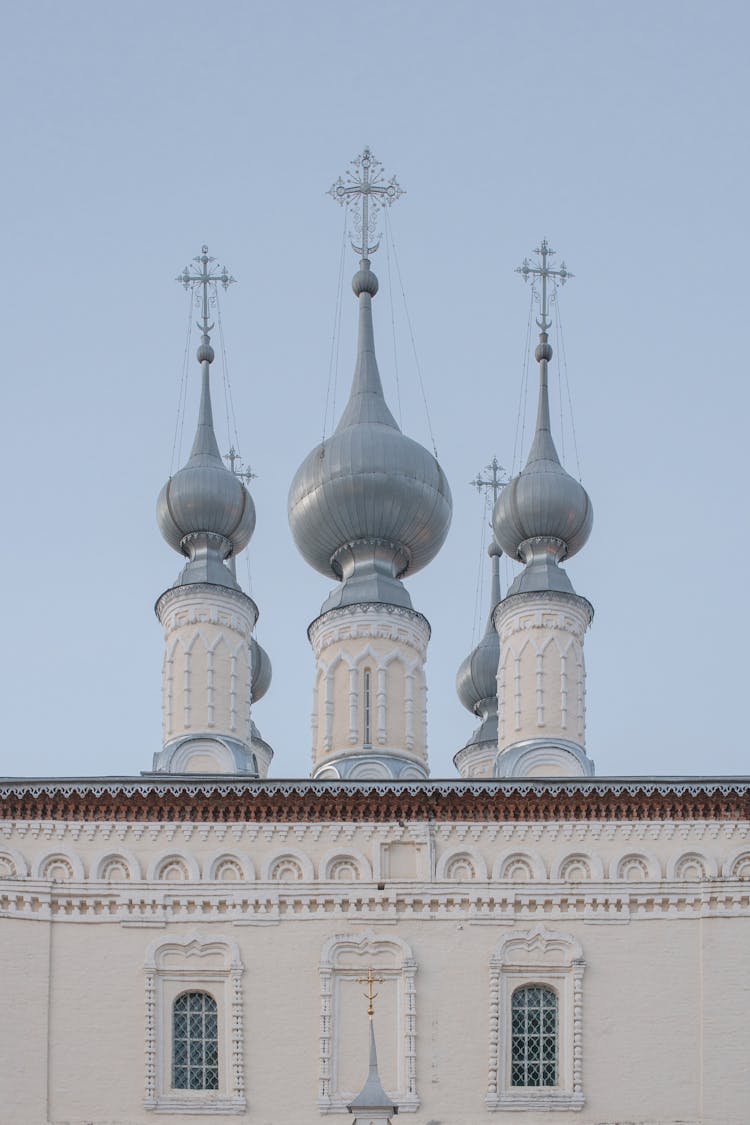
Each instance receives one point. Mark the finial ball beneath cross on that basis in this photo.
(365, 281)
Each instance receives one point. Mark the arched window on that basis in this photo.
(533, 1037)
(367, 705)
(195, 1042)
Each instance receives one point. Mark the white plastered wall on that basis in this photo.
(662, 932)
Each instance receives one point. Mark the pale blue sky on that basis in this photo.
(133, 133)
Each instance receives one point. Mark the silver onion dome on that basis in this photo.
(543, 510)
(260, 663)
(369, 505)
(204, 510)
(476, 680)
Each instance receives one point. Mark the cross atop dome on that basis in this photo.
(494, 483)
(367, 188)
(544, 271)
(199, 277)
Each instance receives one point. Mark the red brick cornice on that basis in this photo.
(234, 800)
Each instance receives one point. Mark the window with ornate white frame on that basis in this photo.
(550, 960)
(344, 960)
(175, 966)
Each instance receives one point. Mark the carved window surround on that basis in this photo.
(212, 965)
(554, 960)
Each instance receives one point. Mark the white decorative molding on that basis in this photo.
(174, 965)
(634, 865)
(240, 863)
(737, 864)
(106, 866)
(327, 866)
(509, 867)
(290, 864)
(12, 864)
(536, 756)
(577, 867)
(461, 864)
(60, 866)
(691, 866)
(403, 970)
(555, 960)
(374, 621)
(173, 866)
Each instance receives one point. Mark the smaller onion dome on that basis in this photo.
(204, 510)
(260, 663)
(543, 502)
(369, 505)
(476, 680)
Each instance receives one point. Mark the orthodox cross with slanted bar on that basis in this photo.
(245, 473)
(365, 186)
(198, 277)
(544, 271)
(495, 482)
(370, 996)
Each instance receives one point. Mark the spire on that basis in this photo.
(204, 510)
(372, 1099)
(543, 447)
(544, 515)
(364, 192)
(366, 400)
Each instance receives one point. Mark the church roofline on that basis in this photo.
(233, 799)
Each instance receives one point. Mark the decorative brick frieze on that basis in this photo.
(153, 800)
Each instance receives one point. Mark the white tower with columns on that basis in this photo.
(542, 517)
(367, 507)
(213, 667)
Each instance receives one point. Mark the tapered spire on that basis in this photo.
(544, 515)
(366, 400)
(372, 1098)
(368, 505)
(204, 510)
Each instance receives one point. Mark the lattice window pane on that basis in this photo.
(195, 1042)
(533, 1037)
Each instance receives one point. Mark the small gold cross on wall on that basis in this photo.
(370, 980)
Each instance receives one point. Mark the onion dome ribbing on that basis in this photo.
(369, 505)
(204, 510)
(543, 515)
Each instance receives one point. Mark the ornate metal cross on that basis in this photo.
(365, 186)
(199, 275)
(235, 464)
(544, 271)
(498, 480)
(370, 980)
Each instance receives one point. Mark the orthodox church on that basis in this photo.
(524, 941)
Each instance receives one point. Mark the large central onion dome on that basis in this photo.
(543, 511)
(369, 504)
(204, 510)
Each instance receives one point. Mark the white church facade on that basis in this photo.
(537, 944)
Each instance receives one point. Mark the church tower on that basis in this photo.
(213, 667)
(367, 507)
(542, 517)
